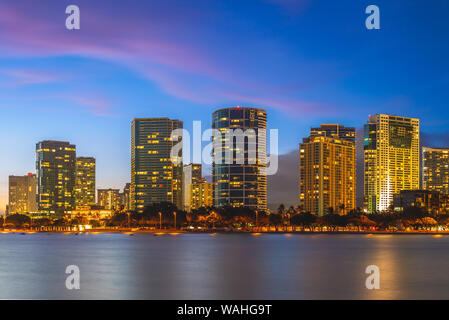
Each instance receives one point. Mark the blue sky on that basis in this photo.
(306, 62)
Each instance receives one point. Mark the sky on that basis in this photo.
(307, 62)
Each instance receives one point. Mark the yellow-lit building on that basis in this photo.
(327, 173)
(200, 194)
(391, 149)
(85, 181)
(436, 169)
(56, 175)
(22, 194)
(191, 173)
(109, 199)
(91, 212)
(154, 177)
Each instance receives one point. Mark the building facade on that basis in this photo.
(201, 194)
(154, 177)
(190, 173)
(56, 177)
(109, 198)
(240, 181)
(327, 171)
(430, 202)
(85, 181)
(22, 194)
(125, 196)
(435, 171)
(335, 131)
(391, 150)
(91, 212)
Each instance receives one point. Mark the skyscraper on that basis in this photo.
(154, 177)
(436, 169)
(85, 181)
(191, 173)
(109, 198)
(22, 194)
(242, 181)
(56, 176)
(391, 148)
(327, 170)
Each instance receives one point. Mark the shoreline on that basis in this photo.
(215, 232)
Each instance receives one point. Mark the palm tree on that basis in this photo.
(281, 209)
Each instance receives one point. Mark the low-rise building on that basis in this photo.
(431, 202)
(91, 213)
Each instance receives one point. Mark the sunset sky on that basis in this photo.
(307, 62)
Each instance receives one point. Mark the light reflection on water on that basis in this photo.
(223, 266)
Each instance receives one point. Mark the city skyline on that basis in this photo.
(395, 137)
(86, 87)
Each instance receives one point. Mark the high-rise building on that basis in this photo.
(200, 194)
(334, 130)
(240, 181)
(22, 194)
(327, 171)
(436, 169)
(191, 173)
(56, 177)
(85, 181)
(391, 149)
(109, 198)
(125, 196)
(154, 177)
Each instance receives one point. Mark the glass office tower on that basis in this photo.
(56, 177)
(240, 183)
(154, 177)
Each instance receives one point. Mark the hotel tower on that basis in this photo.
(391, 149)
(327, 170)
(154, 177)
(242, 181)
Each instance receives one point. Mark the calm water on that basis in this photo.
(227, 266)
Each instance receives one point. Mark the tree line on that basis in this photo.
(164, 215)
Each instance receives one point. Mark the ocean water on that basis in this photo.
(223, 266)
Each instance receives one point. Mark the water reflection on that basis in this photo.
(223, 266)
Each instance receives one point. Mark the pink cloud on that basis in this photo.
(179, 67)
(94, 105)
(24, 77)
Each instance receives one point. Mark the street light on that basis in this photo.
(174, 213)
(160, 220)
(257, 220)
